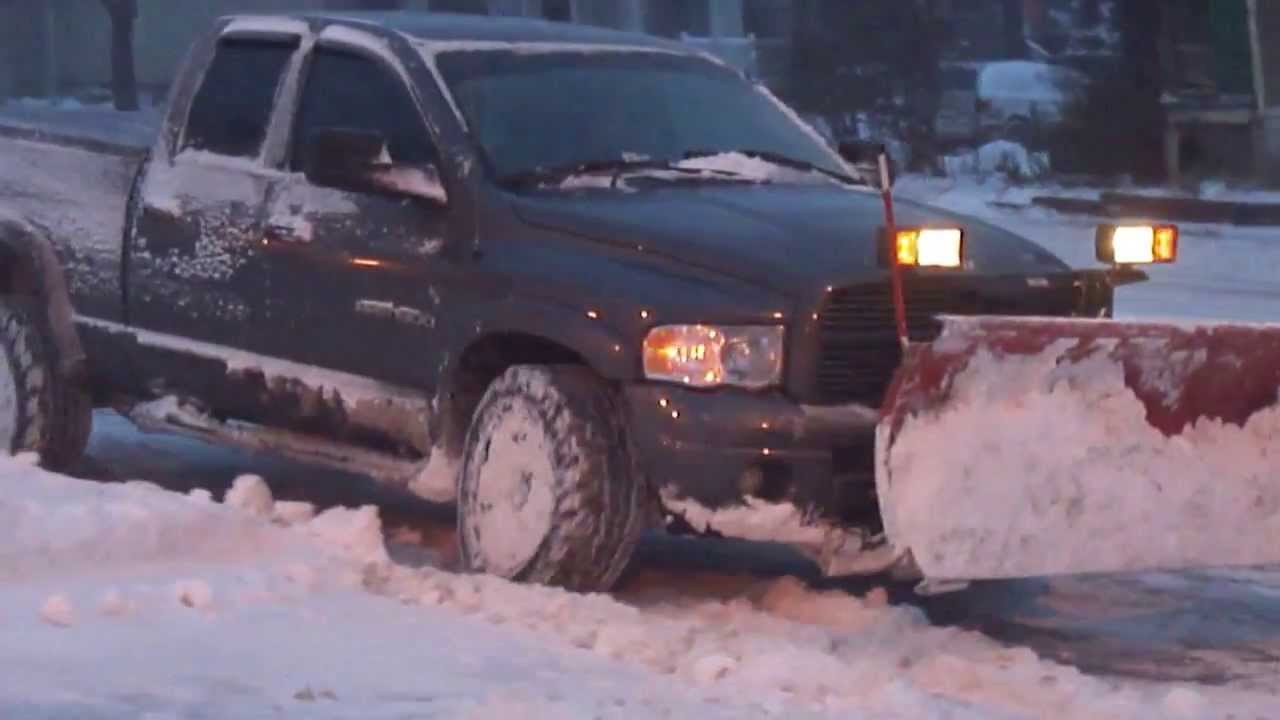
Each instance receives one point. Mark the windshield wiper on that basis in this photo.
(617, 167)
(778, 159)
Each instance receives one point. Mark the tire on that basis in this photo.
(37, 413)
(549, 491)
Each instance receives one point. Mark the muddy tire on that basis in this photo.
(549, 492)
(37, 413)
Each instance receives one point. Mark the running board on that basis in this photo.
(171, 415)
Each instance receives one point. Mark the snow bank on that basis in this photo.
(72, 118)
(208, 610)
(1002, 157)
(789, 650)
(1054, 462)
(124, 600)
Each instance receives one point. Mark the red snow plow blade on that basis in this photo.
(1015, 447)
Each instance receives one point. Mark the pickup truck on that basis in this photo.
(582, 283)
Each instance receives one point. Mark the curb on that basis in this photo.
(1172, 209)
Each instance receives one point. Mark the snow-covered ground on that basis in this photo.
(126, 600)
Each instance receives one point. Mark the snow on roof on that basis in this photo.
(449, 26)
(359, 38)
(266, 23)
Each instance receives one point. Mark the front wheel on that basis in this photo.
(549, 492)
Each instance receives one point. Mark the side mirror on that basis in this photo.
(358, 161)
(864, 156)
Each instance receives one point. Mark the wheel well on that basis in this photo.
(482, 363)
(16, 276)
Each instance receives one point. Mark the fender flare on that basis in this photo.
(31, 267)
(599, 346)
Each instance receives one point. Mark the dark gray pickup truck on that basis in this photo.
(582, 282)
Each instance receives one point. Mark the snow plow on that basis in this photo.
(1032, 446)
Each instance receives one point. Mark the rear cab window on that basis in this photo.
(230, 112)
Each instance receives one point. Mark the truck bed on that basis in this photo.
(70, 172)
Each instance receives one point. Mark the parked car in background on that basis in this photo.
(1013, 99)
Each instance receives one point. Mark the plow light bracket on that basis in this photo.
(1126, 245)
(923, 247)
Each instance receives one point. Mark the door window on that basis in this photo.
(230, 112)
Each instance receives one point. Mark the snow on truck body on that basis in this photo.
(366, 239)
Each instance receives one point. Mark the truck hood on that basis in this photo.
(785, 237)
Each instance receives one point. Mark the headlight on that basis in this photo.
(929, 247)
(708, 356)
(1137, 244)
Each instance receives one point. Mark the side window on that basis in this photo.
(350, 91)
(230, 112)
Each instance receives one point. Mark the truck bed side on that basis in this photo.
(71, 176)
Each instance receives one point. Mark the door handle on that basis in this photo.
(284, 235)
(280, 233)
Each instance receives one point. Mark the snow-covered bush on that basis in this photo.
(1008, 159)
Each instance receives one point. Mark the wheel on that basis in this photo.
(549, 492)
(37, 413)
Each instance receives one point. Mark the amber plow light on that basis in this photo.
(1137, 244)
(929, 247)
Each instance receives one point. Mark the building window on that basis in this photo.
(558, 10)
(672, 17)
(470, 7)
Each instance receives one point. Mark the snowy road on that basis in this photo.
(712, 614)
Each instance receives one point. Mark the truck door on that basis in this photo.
(191, 271)
(354, 278)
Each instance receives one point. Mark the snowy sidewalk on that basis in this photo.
(127, 601)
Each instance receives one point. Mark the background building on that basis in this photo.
(1197, 81)
(51, 47)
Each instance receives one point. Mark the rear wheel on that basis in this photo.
(37, 413)
(549, 492)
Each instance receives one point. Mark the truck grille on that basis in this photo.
(859, 351)
(859, 341)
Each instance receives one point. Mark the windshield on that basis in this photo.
(531, 111)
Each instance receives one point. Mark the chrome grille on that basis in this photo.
(859, 350)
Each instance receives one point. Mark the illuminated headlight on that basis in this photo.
(929, 247)
(709, 356)
(1137, 244)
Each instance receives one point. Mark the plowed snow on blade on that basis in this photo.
(1015, 448)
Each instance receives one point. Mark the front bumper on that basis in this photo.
(718, 448)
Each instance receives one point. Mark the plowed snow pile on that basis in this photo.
(125, 601)
(1047, 463)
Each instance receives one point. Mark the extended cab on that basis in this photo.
(581, 282)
